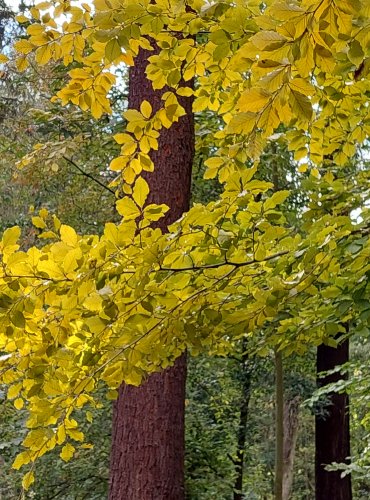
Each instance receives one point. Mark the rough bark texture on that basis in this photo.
(242, 429)
(332, 429)
(147, 457)
(291, 413)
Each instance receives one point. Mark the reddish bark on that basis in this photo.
(147, 457)
(332, 429)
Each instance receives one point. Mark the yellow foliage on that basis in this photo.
(112, 308)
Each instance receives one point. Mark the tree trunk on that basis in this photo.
(242, 429)
(279, 425)
(291, 412)
(147, 456)
(332, 429)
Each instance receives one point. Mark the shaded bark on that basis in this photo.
(291, 414)
(332, 429)
(242, 428)
(279, 425)
(147, 457)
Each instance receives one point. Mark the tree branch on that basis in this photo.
(74, 164)
(225, 263)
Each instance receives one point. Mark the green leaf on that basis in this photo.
(112, 50)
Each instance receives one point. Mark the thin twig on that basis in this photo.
(69, 160)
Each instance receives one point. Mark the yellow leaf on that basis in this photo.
(36, 438)
(268, 40)
(141, 191)
(154, 212)
(133, 378)
(118, 164)
(3, 58)
(68, 235)
(23, 458)
(43, 213)
(185, 91)
(93, 302)
(11, 235)
(43, 5)
(67, 452)
(301, 85)
(21, 63)
(76, 435)
(43, 55)
(127, 208)
(96, 109)
(70, 260)
(146, 109)
(50, 268)
(315, 173)
(28, 479)
(14, 390)
(253, 100)
(52, 388)
(35, 29)
(21, 19)
(301, 105)
(132, 115)
(61, 434)
(19, 403)
(23, 46)
(303, 168)
(124, 138)
(38, 222)
(87, 446)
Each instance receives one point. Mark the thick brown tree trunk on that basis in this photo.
(332, 429)
(291, 412)
(147, 457)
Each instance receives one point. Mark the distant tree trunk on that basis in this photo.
(147, 457)
(332, 429)
(291, 413)
(242, 428)
(279, 425)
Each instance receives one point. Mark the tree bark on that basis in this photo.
(242, 429)
(147, 456)
(279, 425)
(291, 412)
(332, 429)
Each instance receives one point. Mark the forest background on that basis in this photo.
(65, 177)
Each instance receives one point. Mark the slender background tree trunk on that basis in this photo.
(147, 457)
(291, 413)
(279, 425)
(332, 429)
(243, 421)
